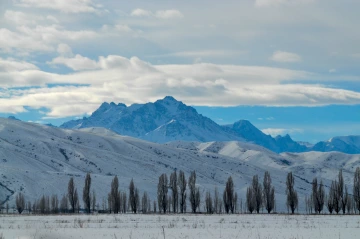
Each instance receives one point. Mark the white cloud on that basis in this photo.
(161, 14)
(122, 28)
(39, 38)
(52, 18)
(77, 63)
(20, 18)
(167, 14)
(265, 3)
(332, 70)
(203, 53)
(66, 6)
(8, 65)
(133, 81)
(282, 56)
(64, 50)
(280, 131)
(141, 13)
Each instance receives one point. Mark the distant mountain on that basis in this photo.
(248, 131)
(13, 118)
(162, 121)
(169, 120)
(347, 144)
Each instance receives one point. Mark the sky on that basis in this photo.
(288, 66)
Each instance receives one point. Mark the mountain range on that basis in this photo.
(39, 160)
(169, 120)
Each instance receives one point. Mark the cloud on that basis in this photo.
(167, 14)
(76, 63)
(39, 38)
(64, 50)
(282, 56)
(203, 53)
(9, 65)
(119, 79)
(66, 6)
(20, 18)
(141, 13)
(280, 131)
(332, 70)
(161, 14)
(266, 3)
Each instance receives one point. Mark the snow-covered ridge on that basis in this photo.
(38, 159)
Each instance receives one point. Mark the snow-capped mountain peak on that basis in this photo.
(168, 120)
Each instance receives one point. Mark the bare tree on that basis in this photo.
(209, 203)
(197, 199)
(194, 193)
(64, 204)
(113, 198)
(341, 192)
(162, 193)
(349, 205)
(258, 194)
(269, 193)
(318, 196)
(336, 196)
(228, 196)
(235, 203)
(93, 201)
(47, 204)
(54, 204)
(133, 197)
(154, 207)
(71, 194)
(144, 203)
(110, 204)
(345, 200)
(20, 202)
(29, 206)
(174, 190)
(78, 205)
(250, 201)
(216, 201)
(169, 200)
(42, 205)
(292, 197)
(76, 200)
(331, 198)
(86, 193)
(123, 202)
(182, 191)
(356, 190)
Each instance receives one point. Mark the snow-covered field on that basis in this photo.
(180, 226)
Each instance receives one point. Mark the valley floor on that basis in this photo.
(179, 226)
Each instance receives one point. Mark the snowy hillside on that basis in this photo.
(38, 159)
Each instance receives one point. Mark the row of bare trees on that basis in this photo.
(338, 198)
(259, 196)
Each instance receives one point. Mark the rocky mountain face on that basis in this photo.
(162, 121)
